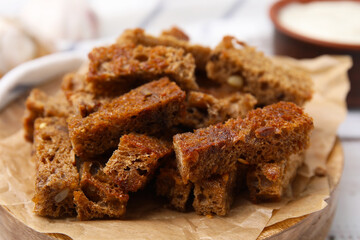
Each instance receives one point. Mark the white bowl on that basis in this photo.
(35, 72)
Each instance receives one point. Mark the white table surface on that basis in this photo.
(207, 21)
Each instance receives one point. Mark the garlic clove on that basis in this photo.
(54, 22)
(16, 46)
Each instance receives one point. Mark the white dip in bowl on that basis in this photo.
(331, 21)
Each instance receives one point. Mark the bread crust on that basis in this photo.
(135, 161)
(267, 182)
(268, 134)
(257, 74)
(117, 67)
(169, 184)
(148, 108)
(215, 194)
(38, 105)
(56, 174)
(138, 36)
(98, 196)
(203, 110)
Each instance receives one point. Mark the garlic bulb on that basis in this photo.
(54, 22)
(16, 46)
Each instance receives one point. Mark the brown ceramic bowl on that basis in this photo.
(290, 43)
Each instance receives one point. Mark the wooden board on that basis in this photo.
(313, 226)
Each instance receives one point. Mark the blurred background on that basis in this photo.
(62, 25)
(38, 27)
(33, 28)
(205, 21)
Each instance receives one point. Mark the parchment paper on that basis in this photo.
(328, 109)
(147, 219)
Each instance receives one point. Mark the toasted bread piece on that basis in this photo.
(205, 152)
(39, 104)
(139, 37)
(56, 174)
(243, 67)
(203, 110)
(81, 98)
(268, 182)
(73, 82)
(79, 93)
(272, 133)
(85, 103)
(176, 33)
(269, 134)
(98, 196)
(215, 194)
(150, 108)
(122, 66)
(134, 163)
(169, 184)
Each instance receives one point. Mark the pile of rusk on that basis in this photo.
(161, 111)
